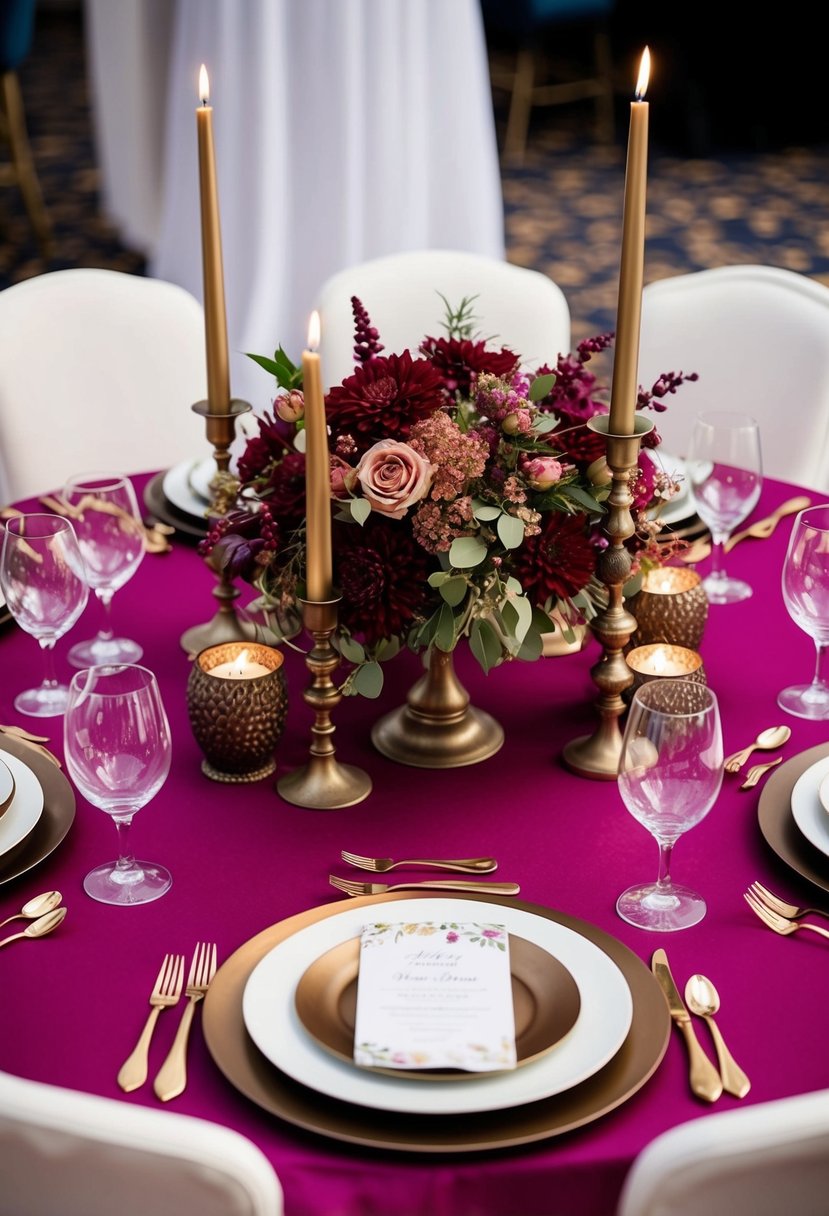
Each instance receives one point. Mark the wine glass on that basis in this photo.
(117, 746)
(725, 472)
(105, 512)
(806, 595)
(43, 580)
(670, 773)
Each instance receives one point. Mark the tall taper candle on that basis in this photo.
(319, 578)
(632, 266)
(215, 318)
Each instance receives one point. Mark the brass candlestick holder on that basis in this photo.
(225, 626)
(597, 755)
(323, 784)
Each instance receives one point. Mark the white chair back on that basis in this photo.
(516, 307)
(98, 371)
(82, 1155)
(766, 1159)
(759, 338)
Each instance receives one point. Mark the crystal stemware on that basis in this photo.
(105, 513)
(670, 773)
(117, 746)
(43, 580)
(806, 595)
(725, 472)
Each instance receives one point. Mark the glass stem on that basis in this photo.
(718, 540)
(663, 881)
(126, 858)
(106, 633)
(821, 657)
(47, 645)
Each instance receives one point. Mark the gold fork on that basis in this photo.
(775, 904)
(779, 923)
(172, 1076)
(166, 992)
(449, 884)
(757, 771)
(379, 865)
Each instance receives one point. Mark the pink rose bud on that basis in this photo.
(598, 474)
(394, 477)
(343, 478)
(519, 422)
(290, 407)
(543, 472)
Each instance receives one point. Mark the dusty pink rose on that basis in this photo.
(542, 472)
(519, 422)
(290, 407)
(394, 477)
(343, 478)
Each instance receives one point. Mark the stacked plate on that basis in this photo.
(794, 815)
(591, 1027)
(181, 495)
(39, 808)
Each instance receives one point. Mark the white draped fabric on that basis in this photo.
(344, 130)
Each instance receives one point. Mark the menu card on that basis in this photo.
(435, 995)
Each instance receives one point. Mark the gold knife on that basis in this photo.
(705, 1080)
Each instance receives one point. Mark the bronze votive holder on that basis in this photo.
(671, 607)
(662, 661)
(237, 720)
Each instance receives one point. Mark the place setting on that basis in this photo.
(40, 806)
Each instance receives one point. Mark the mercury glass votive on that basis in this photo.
(237, 700)
(663, 661)
(671, 607)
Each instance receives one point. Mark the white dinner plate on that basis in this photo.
(807, 811)
(182, 485)
(681, 506)
(26, 806)
(601, 1028)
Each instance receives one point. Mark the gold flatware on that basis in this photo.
(379, 865)
(757, 771)
(436, 884)
(155, 536)
(38, 928)
(779, 923)
(702, 998)
(766, 741)
(34, 908)
(775, 904)
(705, 1081)
(172, 1076)
(165, 993)
(20, 733)
(763, 528)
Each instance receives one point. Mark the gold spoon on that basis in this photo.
(38, 928)
(35, 908)
(703, 999)
(766, 741)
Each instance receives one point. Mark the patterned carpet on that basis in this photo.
(562, 208)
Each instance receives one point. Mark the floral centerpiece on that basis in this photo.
(467, 493)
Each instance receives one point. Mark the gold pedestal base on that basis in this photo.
(595, 756)
(258, 774)
(437, 727)
(225, 627)
(324, 785)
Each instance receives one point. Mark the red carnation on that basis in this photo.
(383, 399)
(285, 491)
(460, 361)
(558, 562)
(382, 574)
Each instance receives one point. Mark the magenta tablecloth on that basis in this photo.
(242, 859)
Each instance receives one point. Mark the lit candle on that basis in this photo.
(242, 667)
(215, 320)
(319, 579)
(632, 266)
(665, 662)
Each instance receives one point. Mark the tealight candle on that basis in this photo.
(242, 667)
(665, 662)
(670, 607)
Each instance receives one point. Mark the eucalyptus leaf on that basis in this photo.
(544, 423)
(578, 495)
(510, 531)
(531, 648)
(541, 386)
(453, 591)
(387, 649)
(486, 511)
(351, 650)
(445, 629)
(466, 551)
(514, 586)
(360, 509)
(438, 577)
(523, 609)
(485, 644)
(368, 680)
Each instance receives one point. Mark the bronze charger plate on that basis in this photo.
(54, 822)
(236, 1055)
(777, 823)
(545, 998)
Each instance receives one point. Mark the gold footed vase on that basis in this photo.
(437, 727)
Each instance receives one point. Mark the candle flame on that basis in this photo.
(659, 662)
(204, 85)
(314, 330)
(644, 74)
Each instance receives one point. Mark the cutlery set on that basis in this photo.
(380, 865)
(172, 1076)
(767, 740)
(779, 916)
(701, 996)
(44, 913)
(762, 529)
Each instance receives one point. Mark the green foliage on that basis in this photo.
(287, 374)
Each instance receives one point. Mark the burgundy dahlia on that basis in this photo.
(460, 360)
(558, 562)
(382, 574)
(269, 445)
(285, 491)
(383, 399)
